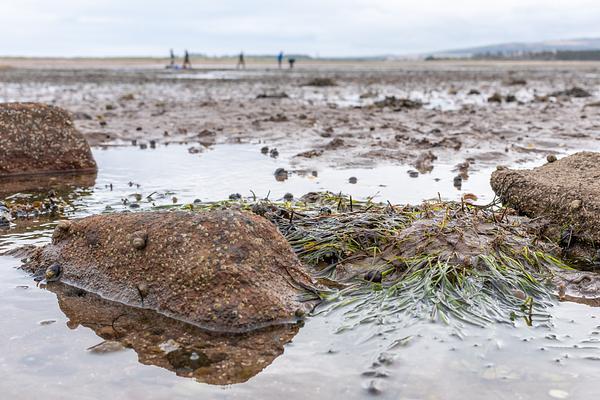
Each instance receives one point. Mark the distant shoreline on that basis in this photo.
(210, 63)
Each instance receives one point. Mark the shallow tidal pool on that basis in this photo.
(49, 350)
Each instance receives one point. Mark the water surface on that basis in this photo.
(43, 352)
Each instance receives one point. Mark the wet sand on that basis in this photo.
(116, 102)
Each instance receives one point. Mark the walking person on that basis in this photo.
(291, 61)
(172, 59)
(280, 59)
(241, 62)
(186, 61)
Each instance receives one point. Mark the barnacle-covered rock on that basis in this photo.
(566, 191)
(222, 270)
(41, 139)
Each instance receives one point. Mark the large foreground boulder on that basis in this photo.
(221, 270)
(40, 139)
(567, 192)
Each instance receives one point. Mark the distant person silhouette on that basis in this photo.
(172, 59)
(241, 62)
(186, 60)
(280, 59)
(291, 61)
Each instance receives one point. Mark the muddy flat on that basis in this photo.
(490, 113)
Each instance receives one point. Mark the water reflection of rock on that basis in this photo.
(28, 201)
(185, 349)
(43, 183)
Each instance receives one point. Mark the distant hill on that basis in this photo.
(516, 48)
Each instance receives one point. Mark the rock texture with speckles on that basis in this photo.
(40, 139)
(566, 191)
(222, 270)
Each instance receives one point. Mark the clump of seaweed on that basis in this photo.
(452, 262)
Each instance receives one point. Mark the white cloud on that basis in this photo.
(327, 27)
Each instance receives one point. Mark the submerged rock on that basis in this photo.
(566, 191)
(41, 139)
(221, 270)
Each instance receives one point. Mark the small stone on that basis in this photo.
(47, 322)
(288, 197)
(325, 210)
(264, 149)
(374, 276)
(300, 313)
(519, 294)
(235, 196)
(458, 181)
(53, 273)
(280, 174)
(352, 180)
(551, 158)
(501, 168)
(413, 173)
(575, 205)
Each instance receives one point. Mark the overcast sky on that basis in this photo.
(314, 27)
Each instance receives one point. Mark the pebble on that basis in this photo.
(413, 173)
(374, 276)
(458, 181)
(280, 174)
(551, 158)
(352, 180)
(575, 205)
